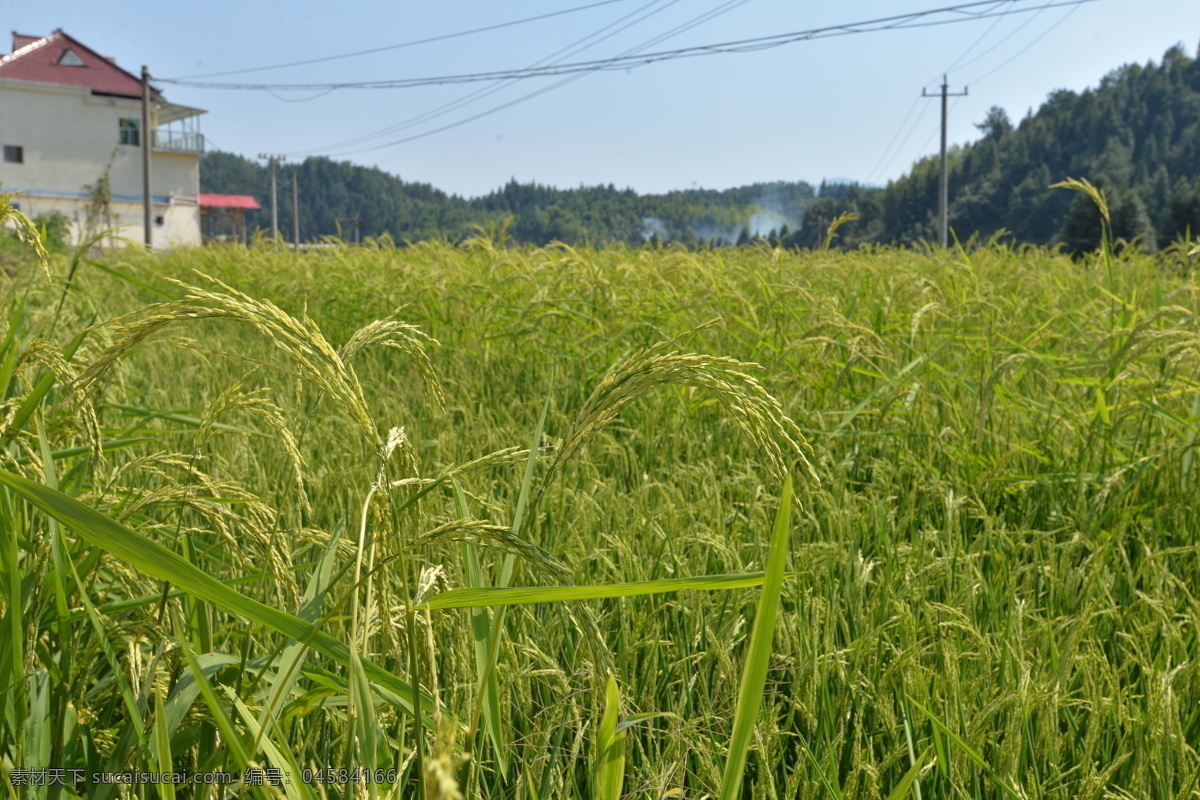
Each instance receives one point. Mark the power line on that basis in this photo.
(934, 132)
(1021, 52)
(1005, 63)
(976, 43)
(413, 43)
(900, 128)
(577, 46)
(898, 22)
(895, 136)
(687, 26)
(479, 94)
(1011, 34)
(727, 6)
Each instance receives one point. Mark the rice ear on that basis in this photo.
(757, 413)
(482, 534)
(316, 361)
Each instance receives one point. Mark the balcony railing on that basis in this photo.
(175, 142)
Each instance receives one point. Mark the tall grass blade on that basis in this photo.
(292, 659)
(610, 746)
(758, 656)
(134, 726)
(281, 757)
(162, 745)
(476, 598)
(231, 740)
(481, 629)
(33, 400)
(364, 719)
(506, 572)
(908, 782)
(12, 623)
(968, 750)
(187, 689)
(116, 273)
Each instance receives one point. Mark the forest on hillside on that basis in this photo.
(341, 199)
(1136, 135)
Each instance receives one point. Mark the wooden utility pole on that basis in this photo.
(944, 188)
(272, 161)
(147, 199)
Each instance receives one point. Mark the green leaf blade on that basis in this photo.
(754, 674)
(477, 598)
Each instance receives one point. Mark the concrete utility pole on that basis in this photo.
(147, 199)
(944, 192)
(272, 161)
(295, 213)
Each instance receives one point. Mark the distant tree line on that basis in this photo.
(337, 196)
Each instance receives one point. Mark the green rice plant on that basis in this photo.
(1002, 538)
(609, 767)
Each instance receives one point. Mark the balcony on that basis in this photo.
(177, 142)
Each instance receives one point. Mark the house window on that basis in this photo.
(14, 154)
(128, 130)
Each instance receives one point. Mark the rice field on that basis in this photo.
(259, 509)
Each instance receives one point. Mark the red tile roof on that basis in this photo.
(37, 60)
(228, 201)
(22, 39)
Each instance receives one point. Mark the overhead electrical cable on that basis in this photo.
(936, 131)
(727, 6)
(976, 43)
(1021, 52)
(1027, 21)
(687, 26)
(912, 129)
(413, 43)
(563, 53)
(895, 136)
(915, 19)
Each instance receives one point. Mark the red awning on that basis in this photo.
(228, 201)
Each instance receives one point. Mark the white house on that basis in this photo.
(68, 116)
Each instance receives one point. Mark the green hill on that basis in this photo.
(1136, 135)
(335, 196)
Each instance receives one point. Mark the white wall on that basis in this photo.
(69, 135)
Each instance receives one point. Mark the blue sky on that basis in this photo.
(840, 107)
